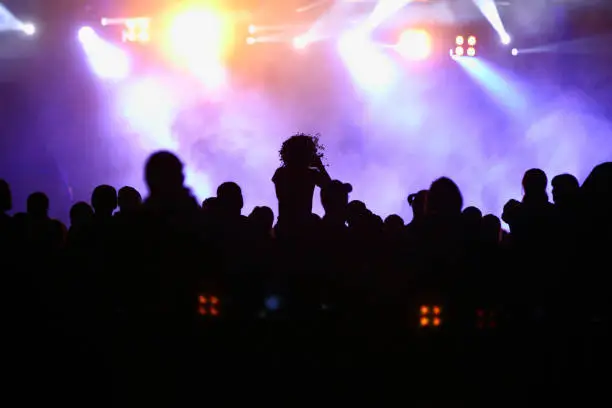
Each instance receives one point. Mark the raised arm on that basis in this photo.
(324, 177)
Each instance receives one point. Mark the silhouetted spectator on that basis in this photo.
(262, 221)
(418, 203)
(334, 199)
(104, 201)
(81, 224)
(81, 214)
(394, 224)
(301, 170)
(210, 206)
(566, 196)
(565, 190)
(6, 205)
(6, 200)
(444, 198)
(173, 241)
(531, 221)
(129, 200)
(229, 199)
(491, 230)
(43, 232)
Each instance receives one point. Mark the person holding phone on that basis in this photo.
(301, 170)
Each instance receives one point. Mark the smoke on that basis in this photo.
(387, 144)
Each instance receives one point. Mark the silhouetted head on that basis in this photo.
(534, 183)
(128, 199)
(38, 205)
(394, 223)
(104, 200)
(444, 198)
(164, 174)
(229, 198)
(81, 213)
(491, 228)
(565, 188)
(262, 219)
(597, 189)
(418, 202)
(472, 215)
(335, 197)
(355, 211)
(6, 199)
(210, 205)
(301, 151)
(511, 212)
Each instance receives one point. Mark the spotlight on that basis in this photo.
(252, 29)
(459, 40)
(197, 35)
(506, 39)
(472, 41)
(136, 30)
(515, 52)
(250, 41)
(415, 44)
(471, 52)
(459, 51)
(28, 28)
(86, 34)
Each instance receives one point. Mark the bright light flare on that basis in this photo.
(106, 60)
(299, 43)
(506, 39)
(200, 40)
(415, 45)
(86, 34)
(197, 37)
(28, 28)
(370, 67)
(515, 52)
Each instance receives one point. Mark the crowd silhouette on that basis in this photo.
(145, 298)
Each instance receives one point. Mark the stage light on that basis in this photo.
(430, 316)
(196, 37)
(459, 40)
(86, 34)
(506, 39)
(515, 52)
(252, 29)
(136, 30)
(28, 28)
(471, 52)
(106, 60)
(459, 51)
(208, 305)
(250, 41)
(414, 44)
(472, 41)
